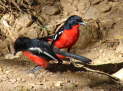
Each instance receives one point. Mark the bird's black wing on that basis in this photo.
(57, 35)
(59, 32)
(43, 49)
(54, 37)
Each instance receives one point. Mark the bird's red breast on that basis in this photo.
(38, 60)
(68, 37)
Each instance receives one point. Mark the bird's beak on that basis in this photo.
(83, 23)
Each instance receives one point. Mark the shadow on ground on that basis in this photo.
(54, 67)
(67, 71)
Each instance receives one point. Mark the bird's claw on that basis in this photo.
(60, 62)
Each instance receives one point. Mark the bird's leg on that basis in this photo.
(69, 49)
(35, 69)
(60, 61)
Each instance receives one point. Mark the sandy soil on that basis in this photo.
(14, 74)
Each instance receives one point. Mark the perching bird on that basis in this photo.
(41, 53)
(68, 34)
(38, 51)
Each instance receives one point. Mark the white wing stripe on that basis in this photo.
(50, 55)
(41, 51)
(61, 32)
(58, 35)
(55, 37)
(36, 49)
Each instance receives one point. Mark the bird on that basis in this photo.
(68, 34)
(39, 51)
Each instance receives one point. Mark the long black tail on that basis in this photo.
(81, 58)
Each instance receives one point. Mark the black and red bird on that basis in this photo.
(68, 34)
(38, 51)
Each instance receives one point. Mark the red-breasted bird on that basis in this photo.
(67, 35)
(39, 51)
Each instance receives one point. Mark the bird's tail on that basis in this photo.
(64, 53)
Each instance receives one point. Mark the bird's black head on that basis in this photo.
(21, 44)
(73, 20)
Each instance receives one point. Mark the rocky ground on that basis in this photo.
(101, 40)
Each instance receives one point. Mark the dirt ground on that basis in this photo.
(14, 74)
(101, 40)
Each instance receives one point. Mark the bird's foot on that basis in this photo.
(60, 62)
